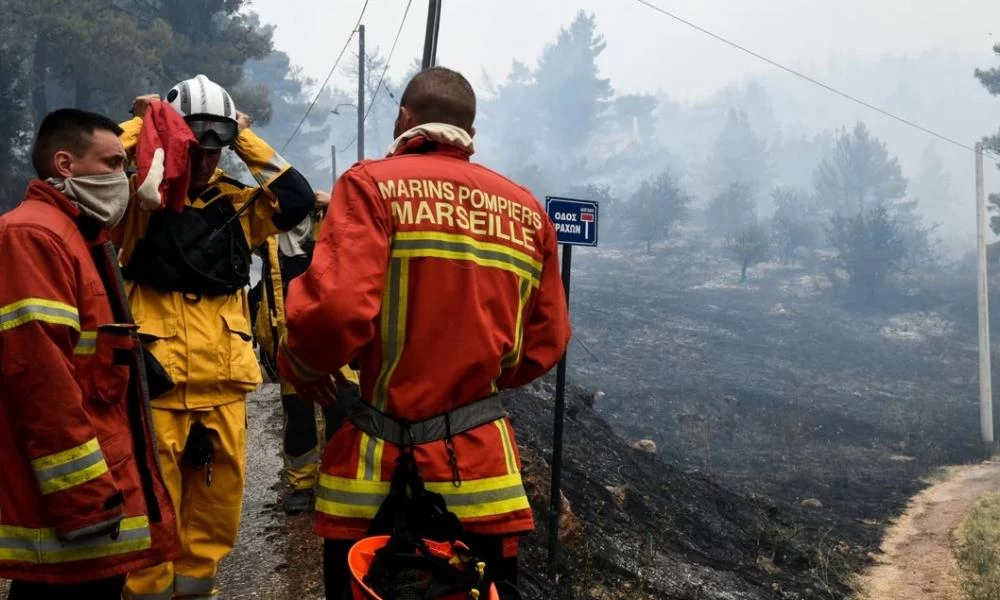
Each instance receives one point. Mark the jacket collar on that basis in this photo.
(434, 137)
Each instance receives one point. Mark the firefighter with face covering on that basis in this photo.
(185, 274)
(82, 500)
(441, 278)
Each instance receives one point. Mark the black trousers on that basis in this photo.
(337, 576)
(101, 589)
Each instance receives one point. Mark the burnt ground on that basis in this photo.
(783, 388)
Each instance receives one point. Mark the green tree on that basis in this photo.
(656, 207)
(572, 98)
(794, 221)
(860, 175)
(740, 155)
(871, 247)
(287, 95)
(731, 209)
(13, 114)
(748, 246)
(990, 78)
(216, 38)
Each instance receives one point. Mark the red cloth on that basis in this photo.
(163, 157)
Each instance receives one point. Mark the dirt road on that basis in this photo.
(918, 560)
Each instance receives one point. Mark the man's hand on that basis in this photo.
(243, 120)
(322, 200)
(141, 103)
(323, 391)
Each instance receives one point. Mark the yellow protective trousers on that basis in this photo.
(208, 506)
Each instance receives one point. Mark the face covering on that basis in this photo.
(102, 197)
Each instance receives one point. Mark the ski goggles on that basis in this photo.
(213, 133)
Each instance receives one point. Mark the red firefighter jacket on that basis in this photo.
(441, 278)
(76, 449)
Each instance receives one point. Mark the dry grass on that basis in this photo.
(978, 550)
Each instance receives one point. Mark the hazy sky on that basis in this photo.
(646, 51)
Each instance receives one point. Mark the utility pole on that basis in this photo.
(333, 162)
(985, 375)
(431, 37)
(361, 92)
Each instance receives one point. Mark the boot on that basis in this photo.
(299, 501)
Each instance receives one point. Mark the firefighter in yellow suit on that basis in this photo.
(285, 257)
(193, 316)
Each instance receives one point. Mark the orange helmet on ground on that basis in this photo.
(435, 563)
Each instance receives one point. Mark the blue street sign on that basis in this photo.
(575, 220)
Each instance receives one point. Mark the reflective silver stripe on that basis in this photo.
(452, 499)
(71, 467)
(508, 493)
(193, 585)
(343, 497)
(87, 343)
(369, 474)
(52, 550)
(297, 462)
(32, 312)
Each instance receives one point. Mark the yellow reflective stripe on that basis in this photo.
(352, 498)
(87, 343)
(514, 356)
(508, 447)
(393, 326)
(66, 456)
(68, 468)
(38, 309)
(377, 459)
(506, 261)
(530, 262)
(41, 546)
(62, 482)
(370, 458)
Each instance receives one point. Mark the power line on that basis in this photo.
(385, 68)
(319, 92)
(388, 60)
(812, 80)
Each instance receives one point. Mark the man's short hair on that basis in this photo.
(67, 129)
(440, 95)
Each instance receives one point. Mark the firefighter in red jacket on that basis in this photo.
(82, 501)
(440, 277)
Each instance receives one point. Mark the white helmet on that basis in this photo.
(208, 109)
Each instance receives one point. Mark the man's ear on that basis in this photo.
(472, 132)
(62, 164)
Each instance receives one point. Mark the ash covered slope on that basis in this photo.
(639, 527)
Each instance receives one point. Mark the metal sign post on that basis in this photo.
(576, 225)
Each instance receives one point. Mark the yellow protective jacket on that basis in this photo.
(205, 344)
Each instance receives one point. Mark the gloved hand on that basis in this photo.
(322, 391)
(141, 103)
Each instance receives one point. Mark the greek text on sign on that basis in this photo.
(575, 220)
